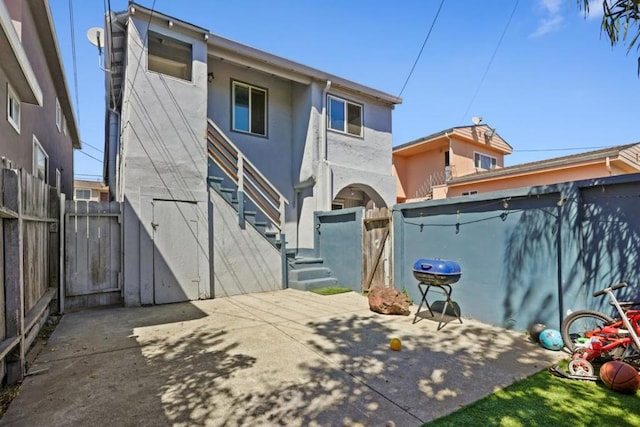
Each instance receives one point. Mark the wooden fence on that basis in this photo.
(376, 249)
(93, 256)
(29, 261)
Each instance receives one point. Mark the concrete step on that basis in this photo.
(307, 285)
(302, 274)
(307, 260)
(215, 181)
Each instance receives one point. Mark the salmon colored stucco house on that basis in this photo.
(469, 160)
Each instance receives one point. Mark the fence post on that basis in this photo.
(14, 277)
(240, 192)
(62, 234)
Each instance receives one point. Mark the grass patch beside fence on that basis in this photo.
(331, 290)
(546, 400)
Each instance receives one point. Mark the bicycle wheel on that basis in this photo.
(575, 325)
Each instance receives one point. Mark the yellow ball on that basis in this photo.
(395, 344)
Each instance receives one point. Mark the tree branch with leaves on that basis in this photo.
(620, 21)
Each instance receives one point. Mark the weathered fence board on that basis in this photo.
(28, 266)
(93, 254)
(376, 249)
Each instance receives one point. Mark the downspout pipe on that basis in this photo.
(326, 202)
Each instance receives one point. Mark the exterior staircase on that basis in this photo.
(260, 204)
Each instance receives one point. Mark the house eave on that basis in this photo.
(531, 168)
(47, 35)
(15, 63)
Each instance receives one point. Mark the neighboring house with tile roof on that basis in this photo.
(470, 160)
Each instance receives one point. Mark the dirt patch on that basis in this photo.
(9, 392)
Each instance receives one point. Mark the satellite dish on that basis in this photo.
(96, 36)
(476, 120)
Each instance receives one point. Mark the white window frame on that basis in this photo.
(76, 197)
(13, 108)
(345, 124)
(58, 116)
(37, 146)
(234, 85)
(477, 160)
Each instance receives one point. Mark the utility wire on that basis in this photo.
(486, 71)
(561, 149)
(92, 146)
(73, 54)
(433, 23)
(89, 155)
(144, 43)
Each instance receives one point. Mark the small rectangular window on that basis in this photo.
(249, 109)
(40, 161)
(83, 194)
(58, 116)
(344, 116)
(482, 161)
(169, 56)
(13, 109)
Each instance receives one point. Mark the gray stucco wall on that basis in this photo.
(163, 142)
(290, 156)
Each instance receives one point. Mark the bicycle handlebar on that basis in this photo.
(611, 288)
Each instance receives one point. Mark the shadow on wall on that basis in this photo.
(600, 241)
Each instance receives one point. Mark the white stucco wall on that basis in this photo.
(163, 140)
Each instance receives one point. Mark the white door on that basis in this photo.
(176, 269)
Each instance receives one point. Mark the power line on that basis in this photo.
(562, 149)
(89, 155)
(92, 146)
(73, 54)
(486, 71)
(435, 18)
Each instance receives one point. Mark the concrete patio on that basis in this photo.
(277, 358)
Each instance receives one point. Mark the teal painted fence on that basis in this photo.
(527, 255)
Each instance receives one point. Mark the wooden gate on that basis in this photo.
(376, 249)
(93, 256)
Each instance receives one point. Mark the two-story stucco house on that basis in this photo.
(468, 160)
(212, 145)
(38, 129)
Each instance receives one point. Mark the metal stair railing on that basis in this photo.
(246, 176)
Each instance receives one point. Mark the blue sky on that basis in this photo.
(553, 86)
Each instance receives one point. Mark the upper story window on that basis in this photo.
(13, 109)
(40, 161)
(58, 115)
(82, 194)
(344, 116)
(249, 109)
(169, 56)
(482, 161)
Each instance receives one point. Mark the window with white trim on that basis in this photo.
(13, 109)
(169, 56)
(40, 161)
(482, 161)
(82, 194)
(58, 116)
(344, 116)
(249, 109)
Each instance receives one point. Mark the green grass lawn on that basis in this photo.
(331, 290)
(549, 401)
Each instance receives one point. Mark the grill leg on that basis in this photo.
(423, 300)
(446, 292)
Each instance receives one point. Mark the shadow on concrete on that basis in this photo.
(360, 380)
